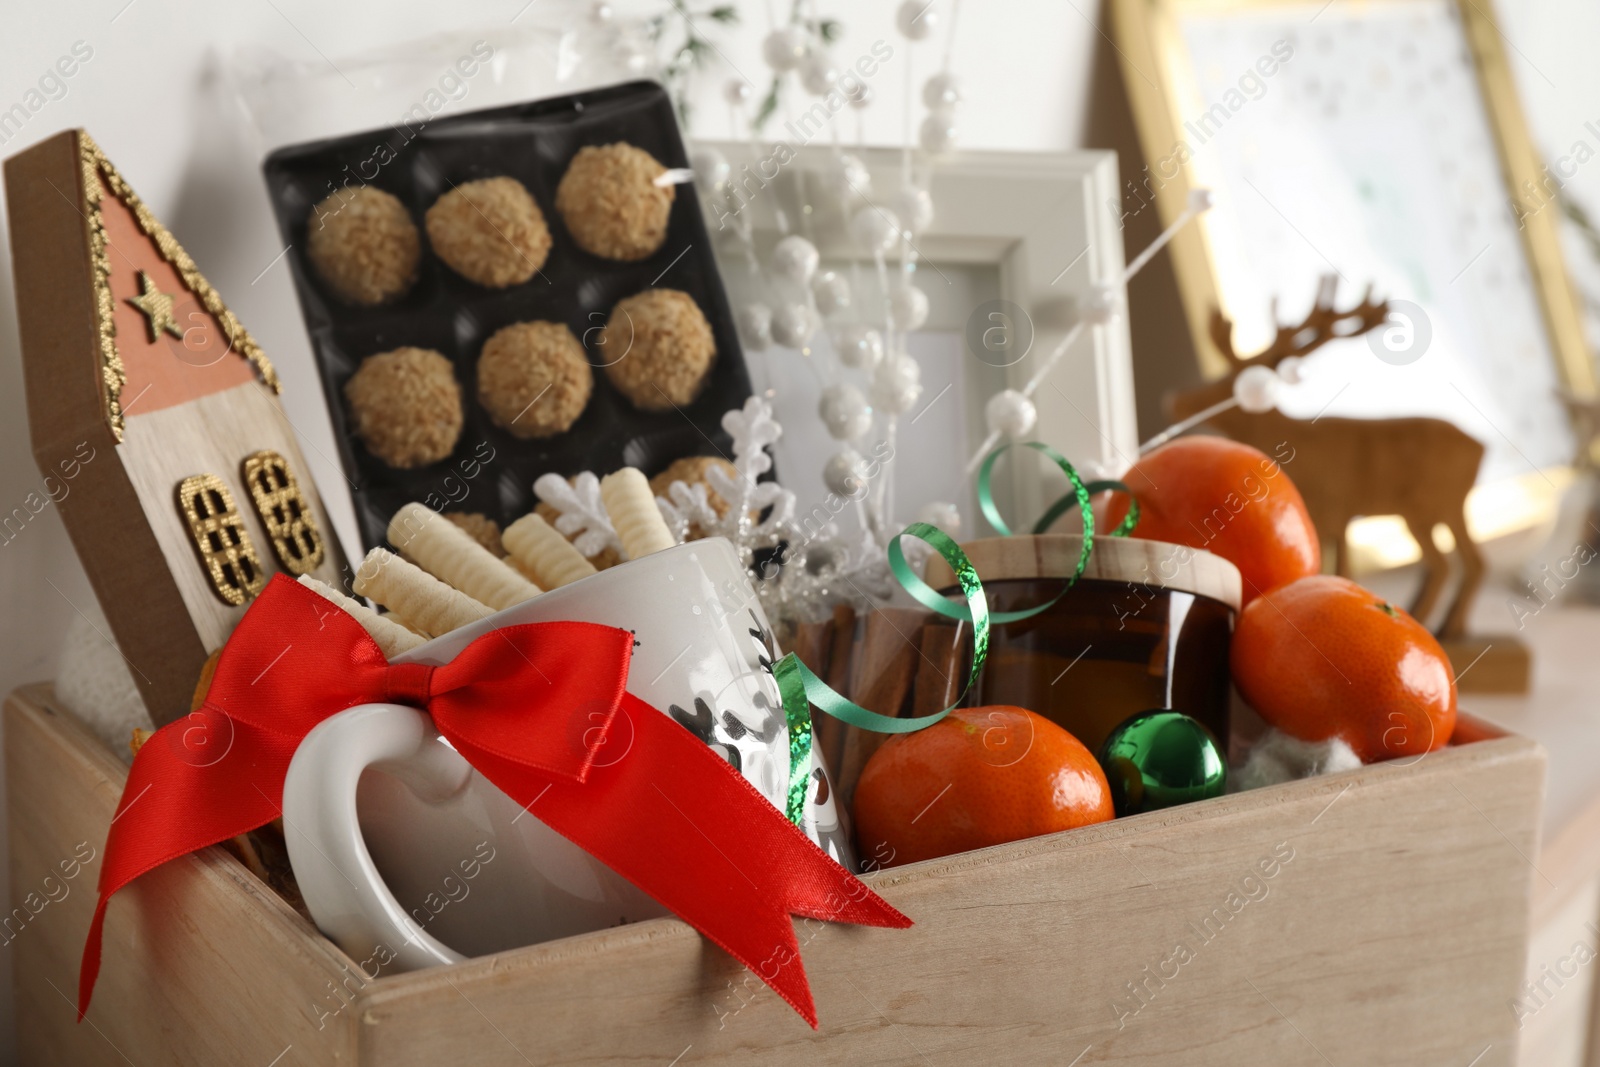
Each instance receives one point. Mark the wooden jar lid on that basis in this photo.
(1156, 564)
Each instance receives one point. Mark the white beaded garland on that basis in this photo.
(943, 91)
(916, 19)
(818, 75)
(1256, 389)
(915, 207)
(793, 325)
(845, 472)
(1010, 414)
(845, 412)
(755, 327)
(860, 95)
(896, 384)
(831, 290)
(794, 259)
(784, 48)
(909, 306)
(710, 167)
(737, 92)
(938, 133)
(860, 346)
(1292, 370)
(874, 229)
(600, 11)
(1200, 200)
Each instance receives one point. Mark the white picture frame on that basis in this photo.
(1039, 222)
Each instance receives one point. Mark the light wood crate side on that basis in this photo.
(1395, 934)
(203, 964)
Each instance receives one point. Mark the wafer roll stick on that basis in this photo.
(634, 515)
(418, 599)
(452, 555)
(390, 635)
(544, 553)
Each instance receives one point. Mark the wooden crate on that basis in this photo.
(1375, 917)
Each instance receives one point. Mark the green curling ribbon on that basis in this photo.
(1060, 508)
(799, 687)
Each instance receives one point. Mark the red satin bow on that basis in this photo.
(528, 706)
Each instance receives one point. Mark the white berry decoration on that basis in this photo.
(915, 208)
(1256, 389)
(784, 48)
(909, 305)
(831, 290)
(852, 177)
(755, 327)
(710, 167)
(737, 92)
(1101, 307)
(916, 19)
(818, 75)
(845, 412)
(938, 134)
(794, 259)
(860, 346)
(896, 384)
(793, 325)
(942, 92)
(845, 472)
(874, 229)
(1292, 370)
(1010, 414)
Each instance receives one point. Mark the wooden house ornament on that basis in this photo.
(187, 489)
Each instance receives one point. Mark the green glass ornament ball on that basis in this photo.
(1159, 758)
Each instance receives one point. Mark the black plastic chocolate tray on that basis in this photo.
(492, 471)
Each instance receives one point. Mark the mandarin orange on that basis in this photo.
(1322, 657)
(1229, 499)
(979, 777)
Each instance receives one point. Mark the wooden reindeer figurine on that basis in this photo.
(1418, 468)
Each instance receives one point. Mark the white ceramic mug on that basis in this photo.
(407, 857)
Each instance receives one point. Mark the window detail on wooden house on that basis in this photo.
(284, 512)
(219, 536)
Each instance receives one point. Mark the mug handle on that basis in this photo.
(340, 883)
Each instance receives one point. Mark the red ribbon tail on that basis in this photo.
(176, 802)
(89, 968)
(677, 821)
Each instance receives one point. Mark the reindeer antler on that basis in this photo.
(1322, 324)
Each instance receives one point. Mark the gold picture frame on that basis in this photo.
(1148, 43)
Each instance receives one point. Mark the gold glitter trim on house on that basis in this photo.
(284, 512)
(99, 176)
(219, 535)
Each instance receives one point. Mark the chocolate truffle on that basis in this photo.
(406, 406)
(658, 348)
(363, 245)
(533, 379)
(610, 202)
(490, 232)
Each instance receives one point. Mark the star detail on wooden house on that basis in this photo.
(157, 307)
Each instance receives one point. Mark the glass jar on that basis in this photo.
(1147, 626)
